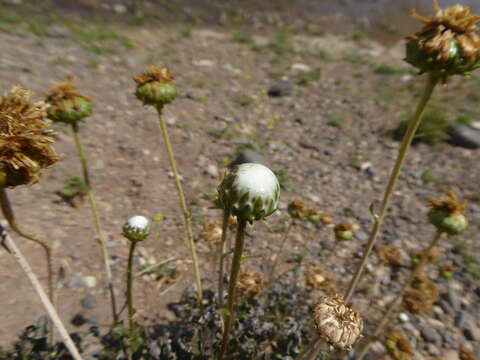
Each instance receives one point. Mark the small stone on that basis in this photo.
(433, 350)
(212, 170)
(119, 9)
(74, 282)
(472, 332)
(477, 291)
(453, 300)
(281, 88)
(89, 281)
(203, 63)
(430, 335)
(360, 235)
(88, 302)
(403, 317)
(248, 156)
(301, 67)
(450, 355)
(464, 136)
(78, 320)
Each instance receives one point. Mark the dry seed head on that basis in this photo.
(422, 294)
(25, 143)
(447, 215)
(249, 283)
(212, 231)
(319, 278)
(447, 271)
(67, 104)
(391, 254)
(343, 231)
(429, 257)
(154, 73)
(297, 209)
(398, 346)
(155, 86)
(448, 42)
(337, 323)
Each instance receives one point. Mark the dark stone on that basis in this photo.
(78, 320)
(248, 156)
(453, 299)
(88, 302)
(281, 88)
(477, 290)
(430, 335)
(464, 136)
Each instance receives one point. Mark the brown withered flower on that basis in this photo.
(466, 354)
(421, 295)
(447, 215)
(391, 254)
(429, 257)
(448, 43)
(337, 323)
(319, 278)
(297, 209)
(343, 231)
(249, 283)
(155, 86)
(398, 346)
(25, 143)
(212, 231)
(67, 104)
(447, 270)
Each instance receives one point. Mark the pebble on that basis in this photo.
(248, 156)
(360, 235)
(433, 350)
(281, 88)
(119, 8)
(453, 300)
(88, 302)
(477, 291)
(301, 67)
(450, 355)
(78, 320)
(430, 335)
(89, 281)
(464, 136)
(403, 317)
(203, 63)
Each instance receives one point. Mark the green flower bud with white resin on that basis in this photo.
(137, 228)
(249, 191)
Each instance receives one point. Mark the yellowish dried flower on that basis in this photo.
(447, 271)
(319, 278)
(466, 354)
(398, 346)
(249, 283)
(337, 323)
(297, 209)
(155, 86)
(154, 73)
(25, 143)
(391, 254)
(429, 257)
(448, 42)
(421, 295)
(447, 215)
(67, 104)
(212, 231)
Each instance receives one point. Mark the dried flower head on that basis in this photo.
(25, 143)
(249, 283)
(421, 295)
(447, 271)
(448, 42)
(155, 86)
(297, 209)
(466, 354)
(391, 254)
(315, 216)
(319, 278)
(398, 346)
(337, 323)
(447, 215)
(212, 231)
(67, 104)
(343, 231)
(428, 257)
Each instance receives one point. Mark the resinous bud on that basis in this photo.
(137, 228)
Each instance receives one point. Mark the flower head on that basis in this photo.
(337, 323)
(319, 278)
(448, 42)
(212, 231)
(297, 209)
(447, 215)
(398, 346)
(249, 191)
(391, 254)
(67, 104)
(137, 228)
(343, 231)
(155, 86)
(249, 283)
(25, 143)
(421, 295)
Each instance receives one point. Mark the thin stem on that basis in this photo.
(232, 285)
(96, 219)
(309, 350)
(131, 311)
(221, 255)
(42, 241)
(432, 80)
(15, 251)
(183, 204)
(280, 249)
(396, 301)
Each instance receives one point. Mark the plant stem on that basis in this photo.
(309, 350)
(394, 303)
(43, 242)
(131, 311)
(96, 219)
(221, 255)
(232, 285)
(432, 80)
(280, 249)
(181, 197)
(15, 251)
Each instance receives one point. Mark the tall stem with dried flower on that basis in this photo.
(96, 219)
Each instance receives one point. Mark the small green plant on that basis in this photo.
(281, 43)
(243, 99)
(386, 69)
(355, 57)
(307, 77)
(428, 176)
(186, 31)
(242, 38)
(73, 188)
(432, 130)
(284, 179)
(358, 36)
(464, 119)
(335, 121)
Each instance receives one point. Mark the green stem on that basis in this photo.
(396, 301)
(131, 311)
(96, 219)
(181, 197)
(221, 255)
(43, 242)
(432, 80)
(232, 285)
(280, 249)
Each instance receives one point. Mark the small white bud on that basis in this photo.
(137, 228)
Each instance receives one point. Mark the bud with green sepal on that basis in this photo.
(297, 209)
(447, 215)
(67, 104)
(136, 229)
(343, 231)
(155, 86)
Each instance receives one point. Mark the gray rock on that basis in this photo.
(430, 335)
(88, 302)
(433, 350)
(477, 290)
(453, 300)
(472, 331)
(248, 156)
(362, 236)
(463, 319)
(281, 88)
(465, 136)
